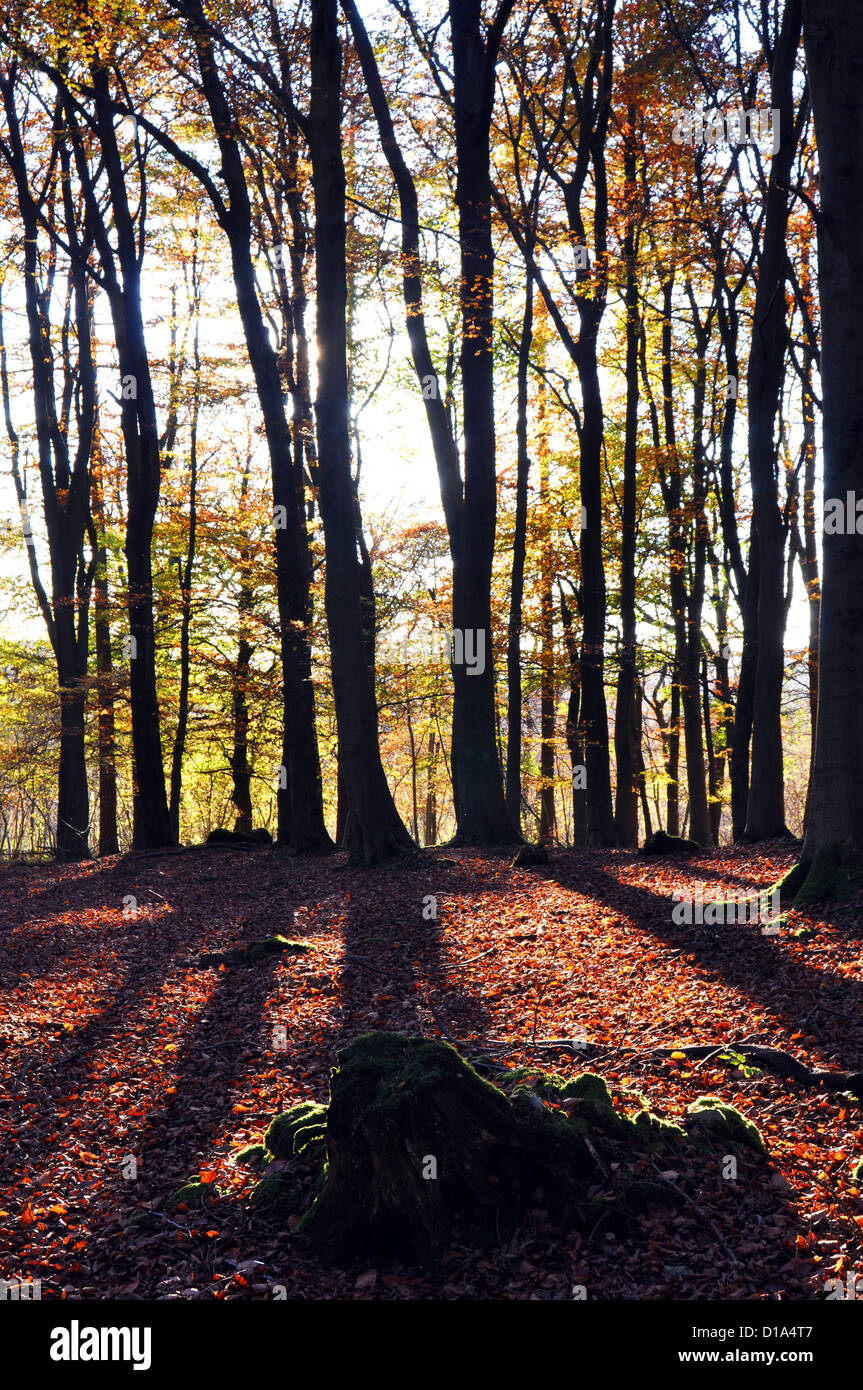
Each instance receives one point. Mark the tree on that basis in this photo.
(765, 816)
(833, 844)
(374, 831)
(64, 471)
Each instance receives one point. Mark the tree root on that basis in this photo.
(772, 1058)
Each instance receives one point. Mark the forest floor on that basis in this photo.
(115, 1043)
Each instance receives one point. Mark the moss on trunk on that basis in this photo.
(832, 874)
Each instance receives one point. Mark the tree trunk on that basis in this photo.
(184, 577)
(152, 824)
(574, 740)
(430, 814)
(64, 476)
(833, 33)
(547, 703)
(481, 812)
(300, 803)
(375, 831)
(516, 591)
(742, 737)
(699, 818)
(108, 840)
(626, 749)
(241, 772)
(765, 815)
(809, 548)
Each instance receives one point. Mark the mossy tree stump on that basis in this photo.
(415, 1138)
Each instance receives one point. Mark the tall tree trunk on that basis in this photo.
(626, 744)
(742, 737)
(64, 476)
(516, 590)
(184, 577)
(375, 830)
(152, 825)
(765, 815)
(833, 33)
(725, 719)
(699, 818)
(430, 815)
(671, 743)
(547, 819)
(809, 547)
(594, 713)
(241, 772)
(481, 812)
(574, 740)
(107, 738)
(300, 804)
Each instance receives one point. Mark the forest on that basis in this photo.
(431, 490)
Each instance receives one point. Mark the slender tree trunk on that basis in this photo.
(809, 550)
(430, 816)
(574, 740)
(725, 718)
(300, 804)
(481, 809)
(241, 772)
(671, 742)
(108, 841)
(152, 825)
(481, 812)
(642, 770)
(516, 592)
(626, 746)
(184, 576)
(742, 738)
(594, 713)
(699, 819)
(64, 479)
(547, 819)
(765, 815)
(375, 831)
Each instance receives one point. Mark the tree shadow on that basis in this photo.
(387, 966)
(758, 968)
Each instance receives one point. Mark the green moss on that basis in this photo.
(309, 1140)
(857, 1171)
(657, 1132)
(381, 1071)
(711, 1119)
(276, 1194)
(588, 1086)
(834, 875)
(587, 1097)
(274, 946)
(291, 1132)
(192, 1194)
(250, 1156)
